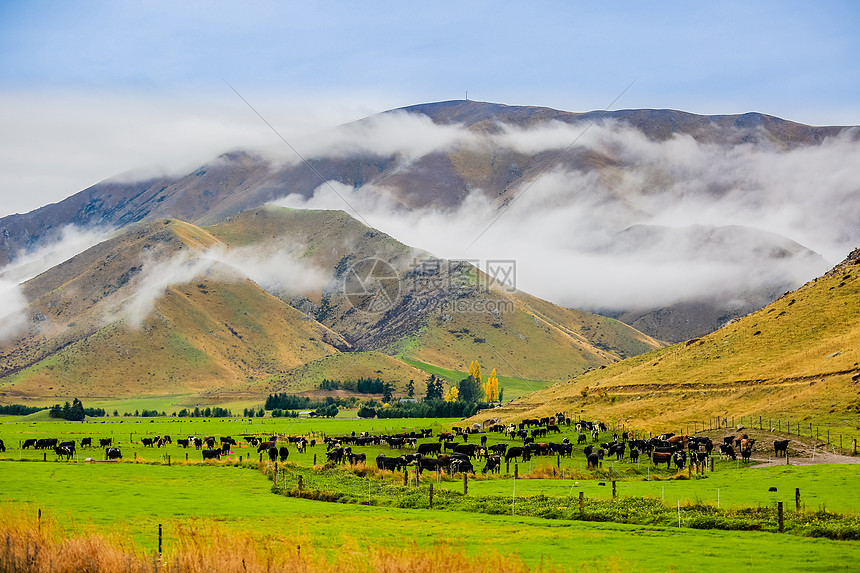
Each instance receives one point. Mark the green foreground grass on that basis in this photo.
(135, 498)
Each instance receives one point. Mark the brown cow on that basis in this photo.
(658, 458)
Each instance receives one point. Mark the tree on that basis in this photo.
(366, 412)
(469, 390)
(491, 387)
(451, 394)
(410, 388)
(387, 389)
(434, 388)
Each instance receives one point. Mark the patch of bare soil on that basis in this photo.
(805, 454)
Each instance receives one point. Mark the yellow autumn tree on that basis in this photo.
(452, 394)
(491, 387)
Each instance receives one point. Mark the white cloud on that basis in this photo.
(711, 208)
(276, 267)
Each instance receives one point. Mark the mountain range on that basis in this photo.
(670, 222)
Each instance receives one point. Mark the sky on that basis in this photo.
(92, 89)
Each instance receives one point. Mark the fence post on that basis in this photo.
(516, 471)
(431, 496)
(581, 503)
(300, 483)
(159, 539)
(465, 483)
(797, 499)
(613, 489)
(779, 515)
(854, 447)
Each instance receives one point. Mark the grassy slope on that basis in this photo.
(794, 358)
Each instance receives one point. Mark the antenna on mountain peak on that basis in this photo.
(467, 95)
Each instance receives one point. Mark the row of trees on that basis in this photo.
(74, 411)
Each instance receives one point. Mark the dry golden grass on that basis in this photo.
(43, 546)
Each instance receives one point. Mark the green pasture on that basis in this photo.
(135, 498)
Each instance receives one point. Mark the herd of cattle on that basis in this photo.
(445, 453)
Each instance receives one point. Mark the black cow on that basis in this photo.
(211, 454)
(63, 451)
(494, 464)
(384, 462)
(86, 442)
(225, 448)
(283, 453)
(581, 439)
(105, 442)
(273, 454)
(2, 446)
(680, 459)
(429, 448)
(745, 454)
(518, 451)
(113, 453)
(634, 455)
(198, 443)
(459, 465)
(727, 451)
(593, 461)
(357, 458)
(182, 442)
(467, 449)
(28, 443)
(780, 447)
(498, 448)
(147, 442)
(45, 443)
(70, 445)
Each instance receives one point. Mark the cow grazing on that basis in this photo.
(211, 454)
(105, 442)
(462, 466)
(494, 464)
(29, 443)
(357, 458)
(70, 445)
(63, 451)
(265, 446)
(516, 452)
(780, 447)
(182, 442)
(45, 443)
(498, 448)
(147, 442)
(113, 454)
(86, 442)
(593, 461)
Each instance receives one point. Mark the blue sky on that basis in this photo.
(91, 89)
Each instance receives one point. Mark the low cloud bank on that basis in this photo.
(652, 228)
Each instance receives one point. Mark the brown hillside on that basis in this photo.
(797, 358)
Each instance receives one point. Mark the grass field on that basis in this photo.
(134, 498)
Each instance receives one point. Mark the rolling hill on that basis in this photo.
(799, 357)
(257, 303)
